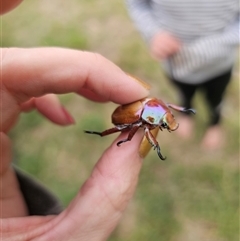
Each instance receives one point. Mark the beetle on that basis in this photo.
(148, 113)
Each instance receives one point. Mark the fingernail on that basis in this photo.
(69, 119)
(141, 82)
(145, 146)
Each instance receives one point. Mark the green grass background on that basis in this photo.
(193, 196)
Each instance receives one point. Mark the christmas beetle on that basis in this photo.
(148, 113)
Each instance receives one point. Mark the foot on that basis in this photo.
(213, 138)
(185, 129)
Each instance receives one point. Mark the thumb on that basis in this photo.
(11, 200)
(100, 203)
(5, 153)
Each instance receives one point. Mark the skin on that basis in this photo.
(39, 74)
(163, 45)
(7, 6)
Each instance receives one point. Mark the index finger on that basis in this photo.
(38, 71)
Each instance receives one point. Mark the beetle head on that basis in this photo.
(169, 122)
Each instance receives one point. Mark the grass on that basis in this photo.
(192, 196)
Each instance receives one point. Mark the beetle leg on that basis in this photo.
(130, 135)
(154, 143)
(181, 109)
(109, 131)
(159, 153)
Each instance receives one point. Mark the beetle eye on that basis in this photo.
(164, 125)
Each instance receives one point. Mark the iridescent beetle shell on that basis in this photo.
(149, 114)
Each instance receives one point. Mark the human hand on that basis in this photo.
(30, 77)
(163, 45)
(7, 5)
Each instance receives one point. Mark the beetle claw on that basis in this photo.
(120, 142)
(159, 153)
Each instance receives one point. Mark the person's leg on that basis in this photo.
(186, 93)
(214, 91)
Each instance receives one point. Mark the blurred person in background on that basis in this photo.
(197, 43)
(30, 78)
